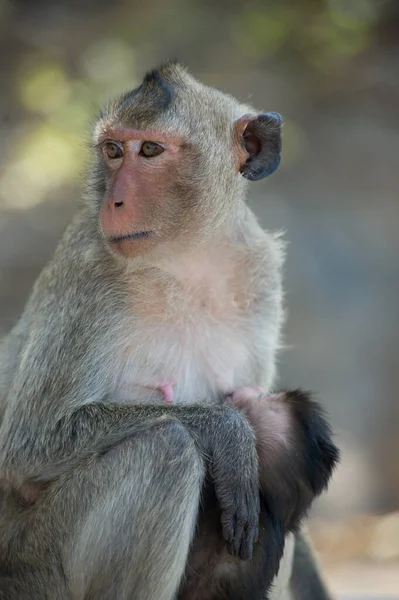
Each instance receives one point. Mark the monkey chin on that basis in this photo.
(132, 244)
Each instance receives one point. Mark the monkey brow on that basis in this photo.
(145, 103)
(124, 133)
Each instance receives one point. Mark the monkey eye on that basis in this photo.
(113, 150)
(150, 149)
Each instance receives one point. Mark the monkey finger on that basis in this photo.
(227, 521)
(242, 548)
(256, 535)
(240, 525)
(246, 550)
(247, 547)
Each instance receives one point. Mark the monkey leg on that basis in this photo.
(119, 526)
(306, 578)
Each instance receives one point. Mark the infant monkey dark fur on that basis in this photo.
(293, 471)
(163, 297)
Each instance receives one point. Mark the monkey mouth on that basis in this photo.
(131, 236)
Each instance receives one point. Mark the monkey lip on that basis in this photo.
(131, 236)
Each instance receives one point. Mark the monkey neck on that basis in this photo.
(210, 261)
(238, 229)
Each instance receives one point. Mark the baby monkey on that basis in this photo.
(139, 374)
(296, 459)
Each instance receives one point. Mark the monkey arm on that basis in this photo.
(93, 428)
(223, 436)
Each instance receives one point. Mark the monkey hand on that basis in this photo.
(274, 422)
(268, 414)
(236, 481)
(295, 448)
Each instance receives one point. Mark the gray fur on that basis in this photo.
(122, 472)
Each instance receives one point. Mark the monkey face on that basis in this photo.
(143, 204)
(173, 157)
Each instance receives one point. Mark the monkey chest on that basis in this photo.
(202, 340)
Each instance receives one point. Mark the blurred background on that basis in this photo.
(331, 67)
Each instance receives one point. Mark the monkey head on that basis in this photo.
(172, 159)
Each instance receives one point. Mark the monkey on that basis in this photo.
(162, 301)
(294, 469)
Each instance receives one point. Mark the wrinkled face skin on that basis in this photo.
(169, 160)
(146, 197)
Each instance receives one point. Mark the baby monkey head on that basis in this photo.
(172, 159)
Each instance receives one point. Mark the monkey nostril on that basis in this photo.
(118, 204)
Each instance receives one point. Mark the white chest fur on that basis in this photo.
(192, 323)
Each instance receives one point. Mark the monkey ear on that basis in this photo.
(260, 136)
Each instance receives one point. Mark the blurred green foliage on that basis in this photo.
(59, 95)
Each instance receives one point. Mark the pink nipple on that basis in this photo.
(167, 390)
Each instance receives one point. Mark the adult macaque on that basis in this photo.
(125, 381)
